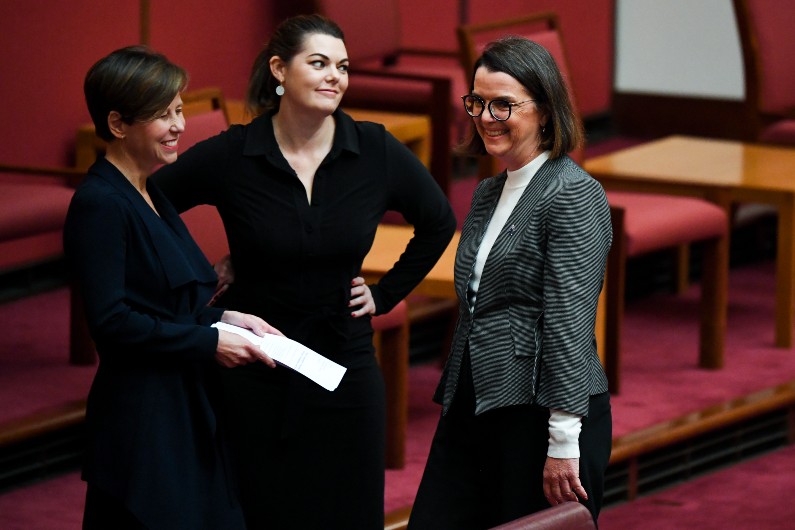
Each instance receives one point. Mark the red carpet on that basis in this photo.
(747, 496)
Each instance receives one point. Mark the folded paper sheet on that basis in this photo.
(294, 355)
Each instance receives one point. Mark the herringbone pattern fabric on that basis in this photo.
(530, 336)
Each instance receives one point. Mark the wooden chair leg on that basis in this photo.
(714, 301)
(615, 285)
(392, 351)
(682, 256)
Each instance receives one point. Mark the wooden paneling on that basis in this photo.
(650, 115)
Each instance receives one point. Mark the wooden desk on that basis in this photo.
(390, 242)
(414, 130)
(725, 172)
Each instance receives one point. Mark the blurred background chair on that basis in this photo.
(642, 223)
(768, 45)
(33, 204)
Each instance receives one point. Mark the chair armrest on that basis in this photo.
(71, 175)
(567, 516)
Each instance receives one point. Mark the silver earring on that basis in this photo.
(543, 129)
(280, 90)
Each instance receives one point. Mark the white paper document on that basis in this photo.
(294, 355)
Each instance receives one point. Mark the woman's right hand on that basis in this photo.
(234, 350)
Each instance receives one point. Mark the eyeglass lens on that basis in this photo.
(499, 108)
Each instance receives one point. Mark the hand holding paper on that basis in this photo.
(294, 355)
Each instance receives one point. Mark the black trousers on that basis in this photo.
(486, 470)
(307, 458)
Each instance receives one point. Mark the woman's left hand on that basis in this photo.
(562, 480)
(361, 296)
(252, 322)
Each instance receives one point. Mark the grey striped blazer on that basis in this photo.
(531, 335)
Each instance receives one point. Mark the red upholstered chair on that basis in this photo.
(566, 516)
(645, 223)
(385, 76)
(642, 223)
(33, 204)
(391, 340)
(768, 45)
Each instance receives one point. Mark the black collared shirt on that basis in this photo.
(294, 261)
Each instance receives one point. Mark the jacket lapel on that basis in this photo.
(483, 203)
(519, 218)
(181, 264)
(510, 234)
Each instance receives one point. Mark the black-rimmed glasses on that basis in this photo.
(499, 109)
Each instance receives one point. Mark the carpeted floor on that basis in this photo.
(661, 381)
(746, 496)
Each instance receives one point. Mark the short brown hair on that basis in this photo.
(531, 64)
(136, 82)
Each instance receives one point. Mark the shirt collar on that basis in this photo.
(521, 177)
(260, 139)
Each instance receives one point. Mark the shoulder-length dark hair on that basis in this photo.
(136, 82)
(531, 64)
(286, 41)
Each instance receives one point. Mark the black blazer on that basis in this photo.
(531, 333)
(151, 425)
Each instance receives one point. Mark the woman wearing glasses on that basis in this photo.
(525, 419)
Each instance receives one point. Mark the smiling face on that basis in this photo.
(515, 142)
(317, 77)
(154, 142)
